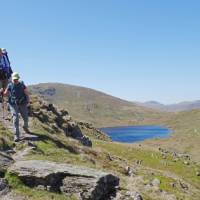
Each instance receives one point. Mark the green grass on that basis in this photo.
(58, 148)
(32, 194)
(152, 160)
(6, 138)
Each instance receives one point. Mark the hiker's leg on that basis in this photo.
(24, 113)
(5, 101)
(1, 86)
(15, 117)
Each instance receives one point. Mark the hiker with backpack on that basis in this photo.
(18, 99)
(5, 74)
(7, 61)
(4, 69)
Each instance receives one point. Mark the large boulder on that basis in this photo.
(86, 183)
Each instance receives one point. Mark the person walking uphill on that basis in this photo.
(18, 99)
(5, 68)
(5, 74)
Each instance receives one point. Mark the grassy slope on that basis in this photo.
(58, 148)
(153, 164)
(185, 138)
(6, 138)
(186, 134)
(96, 107)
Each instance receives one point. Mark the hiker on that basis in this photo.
(5, 74)
(7, 61)
(18, 99)
(4, 70)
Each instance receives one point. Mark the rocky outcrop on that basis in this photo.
(98, 134)
(85, 183)
(57, 120)
(5, 162)
(75, 132)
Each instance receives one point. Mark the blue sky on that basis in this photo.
(137, 50)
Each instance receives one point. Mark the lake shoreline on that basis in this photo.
(139, 133)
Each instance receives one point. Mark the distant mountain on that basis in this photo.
(95, 107)
(153, 104)
(183, 106)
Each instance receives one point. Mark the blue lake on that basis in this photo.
(130, 134)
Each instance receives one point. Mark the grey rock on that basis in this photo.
(88, 183)
(186, 163)
(67, 118)
(133, 195)
(41, 187)
(173, 185)
(5, 161)
(156, 182)
(130, 195)
(128, 171)
(198, 173)
(183, 185)
(86, 141)
(4, 188)
(75, 132)
(10, 151)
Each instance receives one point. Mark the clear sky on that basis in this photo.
(137, 50)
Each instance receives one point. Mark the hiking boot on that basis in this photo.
(16, 139)
(26, 130)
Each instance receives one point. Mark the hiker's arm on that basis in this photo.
(27, 94)
(5, 93)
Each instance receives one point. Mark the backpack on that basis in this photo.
(3, 74)
(17, 95)
(3, 68)
(7, 61)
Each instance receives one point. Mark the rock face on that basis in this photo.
(57, 120)
(75, 132)
(5, 162)
(86, 183)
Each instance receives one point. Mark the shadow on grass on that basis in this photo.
(58, 143)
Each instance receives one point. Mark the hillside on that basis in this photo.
(185, 125)
(182, 106)
(65, 159)
(96, 107)
(186, 134)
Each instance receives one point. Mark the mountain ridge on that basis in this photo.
(177, 107)
(94, 106)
